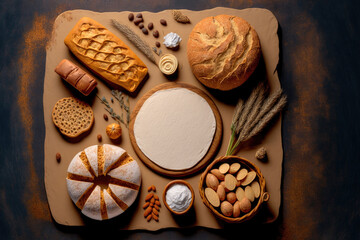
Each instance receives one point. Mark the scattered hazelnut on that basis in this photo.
(145, 31)
(105, 117)
(131, 17)
(138, 20)
(150, 26)
(139, 15)
(58, 157)
(163, 22)
(99, 137)
(157, 44)
(156, 33)
(141, 25)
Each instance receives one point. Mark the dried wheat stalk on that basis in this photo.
(254, 115)
(135, 39)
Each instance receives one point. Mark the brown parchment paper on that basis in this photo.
(64, 211)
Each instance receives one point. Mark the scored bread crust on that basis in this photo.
(106, 54)
(72, 116)
(223, 51)
(114, 184)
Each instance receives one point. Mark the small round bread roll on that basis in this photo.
(223, 51)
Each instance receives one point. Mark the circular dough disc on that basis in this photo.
(174, 128)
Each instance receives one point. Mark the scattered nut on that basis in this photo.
(245, 205)
(147, 211)
(231, 197)
(99, 137)
(58, 157)
(236, 209)
(156, 33)
(261, 154)
(139, 15)
(149, 196)
(131, 17)
(234, 168)
(146, 205)
(157, 44)
(163, 22)
(141, 25)
(138, 20)
(145, 31)
(221, 192)
(106, 117)
(150, 26)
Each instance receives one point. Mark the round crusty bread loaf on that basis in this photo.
(103, 181)
(72, 116)
(223, 51)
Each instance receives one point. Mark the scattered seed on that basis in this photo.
(156, 33)
(150, 26)
(145, 31)
(58, 157)
(157, 44)
(131, 17)
(141, 25)
(99, 137)
(163, 22)
(106, 117)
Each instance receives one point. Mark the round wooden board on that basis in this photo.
(212, 149)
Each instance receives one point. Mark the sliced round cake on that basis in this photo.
(103, 181)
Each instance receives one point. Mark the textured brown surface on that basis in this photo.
(64, 211)
(105, 54)
(223, 51)
(72, 116)
(212, 149)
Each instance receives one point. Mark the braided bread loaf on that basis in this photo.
(223, 51)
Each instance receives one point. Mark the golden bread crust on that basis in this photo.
(223, 51)
(105, 54)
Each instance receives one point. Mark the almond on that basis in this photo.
(149, 188)
(245, 205)
(230, 182)
(256, 188)
(149, 196)
(224, 168)
(157, 202)
(234, 168)
(236, 209)
(152, 200)
(153, 188)
(223, 184)
(249, 193)
(155, 212)
(238, 183)
(231, 197)
(146, 205)
(149, 217)
(156, 218)
(249, 178)
(218, 174)
(226, 208)
(212, 197)
(241, 174)
(221, 192)
(240, 193)
(157, 207)
(211, 181)
(156, 197)
(147, 211)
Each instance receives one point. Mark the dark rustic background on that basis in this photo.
(319, 71)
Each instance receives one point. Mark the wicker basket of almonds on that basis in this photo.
(233, 188)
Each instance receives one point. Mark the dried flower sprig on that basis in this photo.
(252, 115)
(124, 104)
(109, 109)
